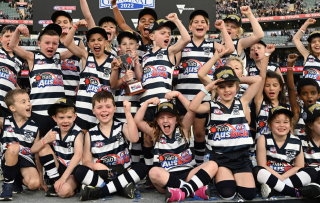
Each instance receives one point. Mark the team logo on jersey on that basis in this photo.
(113, 159)
(301, 131)
(145, 59)
(266, 109)
(169, 160)
(273, 150)
(160, 54)
(187, 50)
(106, 72)
(48, 79)
(163, 141)
(220, 63)
(206, 50)
(179, 138)
(40, 62)
(192, 66)
(227, 131)
(25, 151)
(119, 137)
(99, 144)
(2, 56)
(69, 65)
(91, 65)
(7, 74)
(311, 60)
(236, 110)
(312, 73)
(308, 151)
(93, 85)
(28, 135)
(9, 129)
(55, 143)
(252, 74)
(152, 72)
(279, 167)
(218, 112)
(291, 154)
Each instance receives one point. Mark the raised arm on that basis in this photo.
(119, 18)
(257, 35)
(297, 38)
(137, 65)
(115, 82)
(87, 14)
(130, 129)
(228, 43)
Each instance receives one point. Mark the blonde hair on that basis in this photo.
(236, 58)
(240, 33)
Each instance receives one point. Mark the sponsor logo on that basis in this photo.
(163, 141)
(311, 60)
(227, 131)
(135, 22)
(273, 150)
(224, 74)
(92, 65)
(40, 62)
(128, 4)
(192, 66)
(169, 160)
(220, 63)
(7, 74)
(151, 72)
(122, 157)
(69, 65)
(181, 8)
(279, 167)
(218, 112)
(25, 151)
(93, 85)
(263, 126)
(313, 107)
(187, 49)
(9, 129)
(48, 79)
(2, 56)
(266, 109)
(64, 8)
(145, 59)
(312, 73)
(44, 22)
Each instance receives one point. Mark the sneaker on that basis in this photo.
(174, 194)
(148, 183)
(128, 191)
(51, 192)
(6, 193)
(266, 191)
(89, 193)
(17, 188)
(203, 193)
(311, 190)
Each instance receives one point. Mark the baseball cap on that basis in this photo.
(198, 12)
(52, 26)
(56, 14)
(226, 73)
(107, 19)
(278, 110)
(311, 112)
(234, 18)
(167, 107)
(160, 23)
(313, 35)
(149, 11)
(63, 102)
(127, 33)
(95, 30)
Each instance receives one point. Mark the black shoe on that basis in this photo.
(311, 190)
(51, 192)
(148, 183)
(89, 193)
(17, 188)
(128, 191)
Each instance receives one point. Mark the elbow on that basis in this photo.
(135, 139)
(191, 108)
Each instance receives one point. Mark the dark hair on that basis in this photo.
(281, 96)
(102, 95)
(50, 33)
(307, 81)
(308, 132)
(8, 28)
(65, 109)
(273, 117)
(9, 98)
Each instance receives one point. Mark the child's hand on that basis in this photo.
(219, 24)
(292, 58)
(113, 2)
(245, 10)
(128, 76)
(270, 48)
(115, 64)
(221, 52)
(58, 184)
(212, 85)
(154, 101)
(50, 137)
(127, 106)
(170, 95)
(82, 23)
(310, 21)
(172, 17)
(65, 31)
(135, 56)
(24, 30)
(42, 185)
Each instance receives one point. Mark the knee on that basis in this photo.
(256, 170)
(66, 191)
(311, 172)
(211, 168)
(33, 184)
(227, 189)
(247, 193)
(13, 149)
(155, 173)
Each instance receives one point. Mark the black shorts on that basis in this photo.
(183, 111)
(237, 162)
(84, 124)
(45, 123)
(22, 162)
(5, 112)
(182, 175)
(61, 169)
(150, 114)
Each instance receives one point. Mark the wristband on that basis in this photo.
(267, 54)
(205, 91)
(42, 142)
(114, 6)
(289, 68)
(303, 30)
(75, 27)
(123, 80)
(178, 94)
(137, 63)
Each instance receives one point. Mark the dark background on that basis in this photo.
(44, 8)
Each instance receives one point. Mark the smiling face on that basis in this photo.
(280, 125)
(257, 51)
(199, 26)
(97, 44)
(227, 90)
(237, 67)
(64, 22)
(315, 45)
(65, 120)
(127, 45)
(111, 30)
(5, 40)
(315, 127)
(144, 24)
(272, 88)
(21, 105)
(48, 45)
(104, 110)
(309, 95)
(232, 28)
(167, 122)
(161, 37)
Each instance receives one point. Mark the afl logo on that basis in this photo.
(41, 62)
(273, 150)
(99, 144)
(57, 8)
(218, 112)
(161, 68)
(311, 60)
(145, 58)
(240, 127)
(9, 129)
(70, 61)
(92, 65)
(187, 50)
(41, 22)
(3, 56)
(163, 141)
(266, 109)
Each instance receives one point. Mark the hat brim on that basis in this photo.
(127, 34)
(56, 14)
(281, 111)
(96, 30)
(198, 12)
(231, 19)
(52, 26)
(107, 19)
(167, 110)
(53, 107)
(313, 36)
(148, 11)
(231, 79)
(169, 24)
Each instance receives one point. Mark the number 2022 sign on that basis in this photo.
(129, 4)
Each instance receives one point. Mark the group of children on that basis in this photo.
(81, 129)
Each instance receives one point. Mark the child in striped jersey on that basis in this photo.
(229, 134)
(280, 160)
(107, 23)
(106, 147)
(172, 158)
(70, 67)
(308, 92)
(65, 154)
(96, 71)
(45, 75)
(311, 54)
(18, 135)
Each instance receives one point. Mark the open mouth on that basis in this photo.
(272, 94)
(97, 49)
(199, 30)
(65, 126)
(166, 41)
(109, 35)
(128, 51)
(166, 128)
(28, 110)
(146, 30)
(104, 115)
(310, 102)
(257, 55)
(229, 32)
